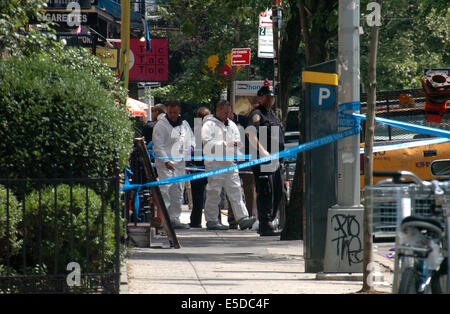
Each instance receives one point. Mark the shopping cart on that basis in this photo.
(414, 211)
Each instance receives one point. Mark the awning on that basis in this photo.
(136, 107)
(114, 8)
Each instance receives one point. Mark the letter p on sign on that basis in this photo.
(324, 93)
(322, 96)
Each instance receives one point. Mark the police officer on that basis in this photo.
(268, 138)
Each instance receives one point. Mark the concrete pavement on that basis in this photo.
(235, 262)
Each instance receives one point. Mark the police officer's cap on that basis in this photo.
(266, 90)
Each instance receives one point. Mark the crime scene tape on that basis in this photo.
(200, 158)
(297, 149)
(285, 153)
(408, 126)
(386, 148)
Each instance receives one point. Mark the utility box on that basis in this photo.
(320, 171)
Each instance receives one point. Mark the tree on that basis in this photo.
(318, 24)
(208, 28)
(58, 110)
(413, 36)
(368, 152)
(16, 34)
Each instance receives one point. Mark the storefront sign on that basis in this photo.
(149, 66)
(63, 4)
(110, 56)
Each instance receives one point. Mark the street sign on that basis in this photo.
(265, 18)
(323, 96)
(265, 35)
(265, 42)
(240, 56)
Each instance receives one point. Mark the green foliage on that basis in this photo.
(8, 202)
(15, 36)
(208, 28)
(80, 59)
(64, 224)
(57, 112)
(412, 37)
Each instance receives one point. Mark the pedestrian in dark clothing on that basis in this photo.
(269, 177)
(147, 131)
(198, 186)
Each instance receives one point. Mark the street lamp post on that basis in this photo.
(348, 209)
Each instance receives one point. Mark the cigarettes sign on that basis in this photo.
(240, 56)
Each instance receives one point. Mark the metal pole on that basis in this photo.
(348, 176)
(125, 41)
(276, 52)
(348, 91)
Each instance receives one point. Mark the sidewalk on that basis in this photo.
(234, 262)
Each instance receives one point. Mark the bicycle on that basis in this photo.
(422, 237)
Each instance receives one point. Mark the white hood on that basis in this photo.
(172, 141)
(218, 138)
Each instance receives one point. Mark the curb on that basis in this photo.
(123, 279)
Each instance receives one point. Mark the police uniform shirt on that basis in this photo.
(260, 116)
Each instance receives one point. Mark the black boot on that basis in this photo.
(266, 229)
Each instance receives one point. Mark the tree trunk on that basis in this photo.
(293, 229)
(368, 154)
(288, 56)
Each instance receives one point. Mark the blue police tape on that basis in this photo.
(201, 158)
(136, 198)
(285, 153)
(408, 126)
(353, 106)
(150, 150)
(346, 120)
(300, 148)
(386, 148)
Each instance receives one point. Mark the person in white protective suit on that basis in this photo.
(221, 138)
(174, 140)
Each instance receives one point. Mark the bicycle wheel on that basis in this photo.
(439, 279)
(409, 281)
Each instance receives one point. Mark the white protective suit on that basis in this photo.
(172, 142)
(217, 141)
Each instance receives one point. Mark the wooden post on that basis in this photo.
(156, 193)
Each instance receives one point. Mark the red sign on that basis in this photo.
(149, 66)
(225, 70)
(240, 56)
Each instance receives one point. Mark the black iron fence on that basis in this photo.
(60, 235)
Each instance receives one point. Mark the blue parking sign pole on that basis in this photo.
(319, 119)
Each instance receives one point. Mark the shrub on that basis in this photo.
(57, 116)
(15, 217)
(66, 226)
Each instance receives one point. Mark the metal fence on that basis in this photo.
(60, 235)
(391, 203)
(406, 105)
